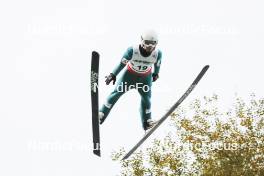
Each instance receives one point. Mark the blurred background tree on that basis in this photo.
(205, 140)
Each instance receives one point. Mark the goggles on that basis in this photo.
(149, 43)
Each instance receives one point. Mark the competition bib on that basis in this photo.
(141, 64)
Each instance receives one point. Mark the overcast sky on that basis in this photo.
(45, 115)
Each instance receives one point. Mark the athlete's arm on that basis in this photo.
(155, 74)
(126, 57)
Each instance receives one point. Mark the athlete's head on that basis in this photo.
(149, 40)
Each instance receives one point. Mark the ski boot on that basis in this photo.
(149, 124)
(101, 117)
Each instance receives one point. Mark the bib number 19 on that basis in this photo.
(142, 68)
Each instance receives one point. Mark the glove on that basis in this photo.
(154, 77)
(109, 78)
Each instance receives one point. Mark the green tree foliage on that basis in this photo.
(205, 140)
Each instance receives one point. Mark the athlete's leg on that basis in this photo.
(145, 93)
(121, 87)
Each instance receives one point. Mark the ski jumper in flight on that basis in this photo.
(142, 64)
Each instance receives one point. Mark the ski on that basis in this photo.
(94, 102)
(188, 91)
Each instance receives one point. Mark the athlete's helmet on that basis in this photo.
(149, 40)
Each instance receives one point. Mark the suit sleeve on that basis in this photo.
(126, 57)
(158, 63)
